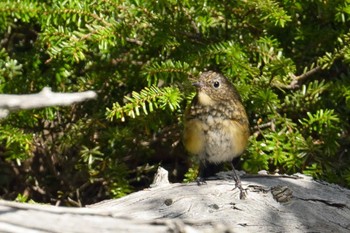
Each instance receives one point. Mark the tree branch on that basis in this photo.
(44, 98)
(296, 80)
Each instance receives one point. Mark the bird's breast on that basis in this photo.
(225, 141)
(214, 136)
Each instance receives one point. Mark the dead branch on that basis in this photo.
(44, 98)
(296, 80)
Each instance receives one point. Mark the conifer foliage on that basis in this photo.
(289, 60)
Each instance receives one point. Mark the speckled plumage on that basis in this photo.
(216, 123)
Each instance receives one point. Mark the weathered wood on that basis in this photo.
(214, 207)
(19, 218)
(314, 206)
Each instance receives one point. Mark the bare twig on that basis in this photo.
(261, 126)
(44, 98)
(296, 80)
(257, 128)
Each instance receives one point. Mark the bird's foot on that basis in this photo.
(242, 192)
(200, 181)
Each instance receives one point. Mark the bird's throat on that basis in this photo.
(204, 99)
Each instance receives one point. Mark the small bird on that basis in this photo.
(216, 126)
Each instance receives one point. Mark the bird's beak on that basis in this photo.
(197, 84)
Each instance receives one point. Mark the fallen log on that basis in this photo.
(274, 203)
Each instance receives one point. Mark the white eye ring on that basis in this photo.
(216, 84)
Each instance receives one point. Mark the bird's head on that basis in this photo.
(213, 87)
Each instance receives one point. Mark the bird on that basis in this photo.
(216, 126)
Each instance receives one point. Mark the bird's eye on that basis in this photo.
(216, 84)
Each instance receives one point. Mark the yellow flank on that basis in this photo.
(194, 138)
(239, 135)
